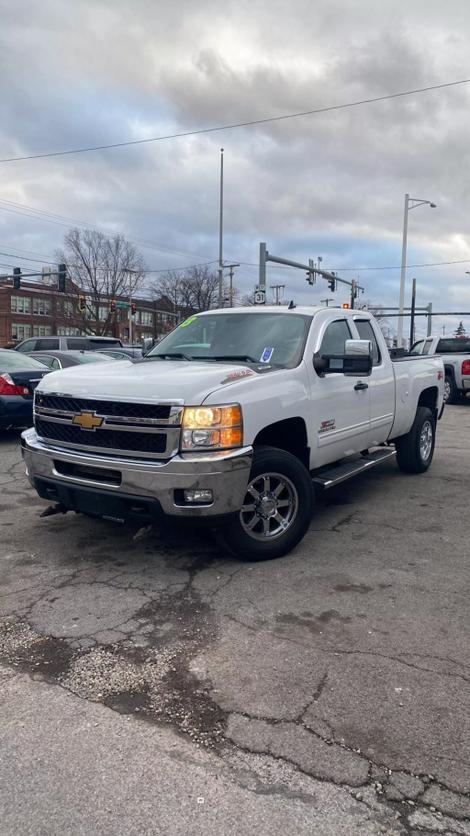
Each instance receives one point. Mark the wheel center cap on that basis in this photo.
(267, 505)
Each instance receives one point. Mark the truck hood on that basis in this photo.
(153, 380)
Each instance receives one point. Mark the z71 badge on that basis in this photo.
(326, 426)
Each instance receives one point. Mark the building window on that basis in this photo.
(42, 307)
(21, 304)
(65, 331)
(103, 313)
(68, 309)
(42, 331)
(19, 331)
(145, 317)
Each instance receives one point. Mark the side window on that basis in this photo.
(333, 341)
(366, 332)
(417, 348)
(43, 345)
(51, 362)
(427, 346)
(27, 346)
(77, 344)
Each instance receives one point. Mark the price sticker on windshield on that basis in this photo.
(267, 354)
(188, 321)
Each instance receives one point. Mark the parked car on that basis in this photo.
(236, 418)
(19, 375)
(85, 343)
(55, 360)
(124, 353)
(455, 353)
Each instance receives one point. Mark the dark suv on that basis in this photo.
(86, 343)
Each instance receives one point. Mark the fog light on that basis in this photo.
(198, 496)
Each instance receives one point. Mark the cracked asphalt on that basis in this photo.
(151, 684)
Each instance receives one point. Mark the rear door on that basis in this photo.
(340, 405)
(381, 386)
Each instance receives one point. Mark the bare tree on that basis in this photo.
(196, 289)
(104, 267)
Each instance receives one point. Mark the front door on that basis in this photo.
(381, 386)
(340, 404)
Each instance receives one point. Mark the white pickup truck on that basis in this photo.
(236, 417)
(455, 353)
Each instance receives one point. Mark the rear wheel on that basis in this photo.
(276, 510)
(451, 393)
(415, 449)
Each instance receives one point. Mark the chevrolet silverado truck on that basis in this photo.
(237, 417)
(455, 353)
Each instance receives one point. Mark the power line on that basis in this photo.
(65, 221)
(145, 272)
(246, 124)
(359, 269)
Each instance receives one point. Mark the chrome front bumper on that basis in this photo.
(225, 473)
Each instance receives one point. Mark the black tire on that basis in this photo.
(416, 449)
(451, 393)
(290, 480)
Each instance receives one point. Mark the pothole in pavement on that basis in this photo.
(147, 674)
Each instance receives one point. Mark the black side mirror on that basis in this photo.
(357, 360)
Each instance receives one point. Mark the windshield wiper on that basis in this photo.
(241, 358)
(172, 355)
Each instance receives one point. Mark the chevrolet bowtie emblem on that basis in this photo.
(87, 420)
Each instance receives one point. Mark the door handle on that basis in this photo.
(359, 386)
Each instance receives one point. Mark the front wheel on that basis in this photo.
(276, 510)
(416, 449)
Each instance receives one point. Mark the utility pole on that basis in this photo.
(353, 292)
(277, 289)
(230, 295)
(326, 301)
(221, 231)
(130, 310)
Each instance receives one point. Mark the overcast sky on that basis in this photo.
(332, 184)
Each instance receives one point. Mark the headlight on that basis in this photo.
(212, 427)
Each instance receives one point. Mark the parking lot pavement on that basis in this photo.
(151, 684)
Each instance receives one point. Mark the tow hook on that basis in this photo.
(58, 508)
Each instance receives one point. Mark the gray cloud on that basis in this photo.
(333, 183)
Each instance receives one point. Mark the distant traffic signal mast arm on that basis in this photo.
(332, 278)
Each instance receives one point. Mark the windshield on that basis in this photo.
(273, 339)
(11, 361)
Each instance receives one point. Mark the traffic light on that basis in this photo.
(133, 308)
(61, 277)
(332, 282)
(112, 306)
(82, 304)
(345, 305)
(17, 277)
(310, 274)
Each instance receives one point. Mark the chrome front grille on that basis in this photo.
(113, 428)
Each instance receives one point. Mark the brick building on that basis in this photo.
(38, 309)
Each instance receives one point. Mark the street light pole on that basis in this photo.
(401, 303)
(410, 203)
(221, 231)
